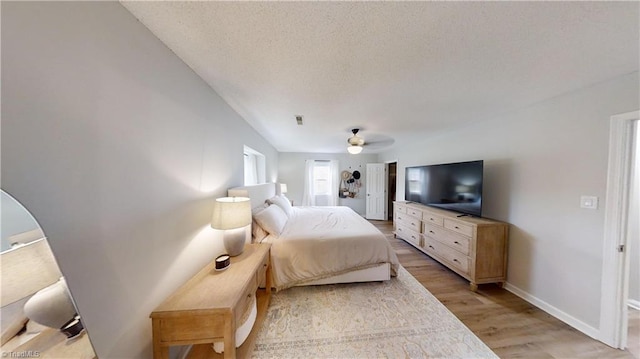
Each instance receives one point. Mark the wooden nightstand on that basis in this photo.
(206, 308)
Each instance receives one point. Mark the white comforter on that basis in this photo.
(319, 242)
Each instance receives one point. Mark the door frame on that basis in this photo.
(615, 267)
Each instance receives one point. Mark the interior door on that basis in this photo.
(375, 191)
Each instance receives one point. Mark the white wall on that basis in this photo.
(291, 166)
(634, 227)
(538, 161)
(118, 149)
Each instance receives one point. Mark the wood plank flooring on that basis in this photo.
(510, 326)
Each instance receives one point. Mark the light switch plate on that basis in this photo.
(589, 202)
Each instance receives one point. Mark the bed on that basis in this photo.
(318, 245)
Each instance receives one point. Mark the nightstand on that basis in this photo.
(208, 306)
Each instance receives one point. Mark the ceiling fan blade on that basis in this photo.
(379, 141)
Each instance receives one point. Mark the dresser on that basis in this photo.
(208, 307)
(475, 248)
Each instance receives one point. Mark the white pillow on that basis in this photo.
(282, 202)
(272, 219)
(257, 232)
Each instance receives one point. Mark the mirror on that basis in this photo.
(38, 315)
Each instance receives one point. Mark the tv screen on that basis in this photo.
(452, 186)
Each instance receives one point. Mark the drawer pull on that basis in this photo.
(456, 242)
(432, 232)
(430, 246)
(456, 260)
(413, 224)
(456, 227)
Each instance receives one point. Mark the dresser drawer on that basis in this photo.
(400, 208)
(459, 227)
(414, 212)
(458, 242)
(408, 235)
(453, 257)
(410, 222)
(401, 217)
(432, 218)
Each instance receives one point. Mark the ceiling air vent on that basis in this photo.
(299, 120)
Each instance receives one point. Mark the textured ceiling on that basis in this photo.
(398, 70)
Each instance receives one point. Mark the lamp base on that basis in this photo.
(73, 327)
(234, 241)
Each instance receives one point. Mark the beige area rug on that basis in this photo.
(393, 319)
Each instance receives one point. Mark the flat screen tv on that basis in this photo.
(451, 186)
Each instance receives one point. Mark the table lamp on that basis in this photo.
(232, 214)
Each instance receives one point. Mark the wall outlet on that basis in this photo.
(589, 202)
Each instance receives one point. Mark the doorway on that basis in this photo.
(614, 323)
(391, 188)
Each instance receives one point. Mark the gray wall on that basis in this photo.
(118, 149)
(538, 161)
(291, 168)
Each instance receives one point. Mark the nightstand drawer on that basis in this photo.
(459, 227)
(192, 328)
(246, 299)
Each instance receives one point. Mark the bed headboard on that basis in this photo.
(257, 193)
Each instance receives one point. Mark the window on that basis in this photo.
(321, 178)
(321, 183)
(254, 167)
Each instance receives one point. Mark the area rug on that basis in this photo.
(398, 318)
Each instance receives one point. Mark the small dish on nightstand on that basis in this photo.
(222, 262)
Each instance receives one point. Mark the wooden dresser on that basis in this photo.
(475, 248)
(208, 307)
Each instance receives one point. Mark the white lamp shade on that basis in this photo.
(231, 212)
(283, 188)
(354, 150)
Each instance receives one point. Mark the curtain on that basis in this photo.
(308, 198)
(250, 169)
(334, 182)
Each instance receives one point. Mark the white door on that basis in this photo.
(375, 191)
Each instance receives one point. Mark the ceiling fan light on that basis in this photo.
(354, 150)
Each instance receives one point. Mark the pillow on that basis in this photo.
(272, 219)
(282, 202)
(257, 232)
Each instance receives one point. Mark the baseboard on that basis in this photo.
(555, 312)
(635, 304)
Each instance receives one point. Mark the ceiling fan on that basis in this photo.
(355, 142)
(376, 142)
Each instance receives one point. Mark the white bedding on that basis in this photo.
(318, 242)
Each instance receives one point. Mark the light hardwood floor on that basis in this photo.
(510, 326)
